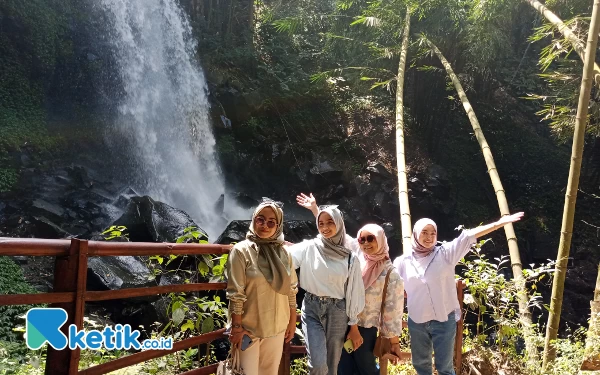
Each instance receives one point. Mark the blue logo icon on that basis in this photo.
(43, 325)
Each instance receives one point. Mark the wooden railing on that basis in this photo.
(70, 294)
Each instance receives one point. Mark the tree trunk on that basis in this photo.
(577, 43)
(515, 257)
(400, 156)
(566, 230)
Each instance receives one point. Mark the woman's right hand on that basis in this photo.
(236, 336)
(306, 201)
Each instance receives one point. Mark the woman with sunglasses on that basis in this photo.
(433, 306)
(375, 263)
(335, 295)
(261, 288)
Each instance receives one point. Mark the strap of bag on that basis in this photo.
(385, 285)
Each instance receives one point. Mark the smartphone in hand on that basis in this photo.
(349, 346)
(246, 341)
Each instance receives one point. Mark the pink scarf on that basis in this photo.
(378, 261)
(421, 250)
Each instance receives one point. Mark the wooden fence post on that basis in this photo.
(79, 300)
(65, 280)
(458, 343)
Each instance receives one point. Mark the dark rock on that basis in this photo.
(220, 205)
(44, 228)
(118, 272)
(148, 220)
(244, 200)
(20, 259)
(48, 209)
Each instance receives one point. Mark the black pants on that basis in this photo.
(361, 361)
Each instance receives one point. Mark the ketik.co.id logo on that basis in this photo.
(43, 324)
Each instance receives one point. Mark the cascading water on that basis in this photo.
(163, 113)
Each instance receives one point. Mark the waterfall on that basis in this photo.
(163, 109)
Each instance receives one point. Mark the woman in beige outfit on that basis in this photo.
(261, 288)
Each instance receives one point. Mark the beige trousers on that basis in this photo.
(263, 356)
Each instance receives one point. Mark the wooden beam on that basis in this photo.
(35, 299)
(141, 248)
(33, 247)
(146, 355)
(140, 292)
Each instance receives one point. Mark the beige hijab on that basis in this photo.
(273, 259)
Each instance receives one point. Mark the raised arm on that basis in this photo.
(488, 228)
(308, 202)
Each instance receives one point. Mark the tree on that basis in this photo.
(566, 231)
(400, 159)
(515, 257)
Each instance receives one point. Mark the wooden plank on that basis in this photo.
(65, 280)
(284, 363)
(146, 355)
(297, 349)
(79, 300)
(206, 370)
(458, 343)
(97, 248)
(33, 247)
(140, 292)
(34, 299)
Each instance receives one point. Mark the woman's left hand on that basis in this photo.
(355, 336)
(290, 331)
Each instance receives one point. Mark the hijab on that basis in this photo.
(333, 247)
(417, 247)
(273, 259)
(377, 262)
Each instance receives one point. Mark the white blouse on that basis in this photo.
(326, 277)
(430, 283)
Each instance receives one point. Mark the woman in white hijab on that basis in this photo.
(433, 307)
(330, 274)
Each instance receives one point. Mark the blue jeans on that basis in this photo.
(324, 324)
(435, 335)
(361, 361)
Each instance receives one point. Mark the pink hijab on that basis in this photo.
(421, 250)
(378, 261)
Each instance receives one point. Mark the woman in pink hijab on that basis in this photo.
(375, 264)
(433, 307)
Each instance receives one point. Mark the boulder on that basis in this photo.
(148, 220)
(119, 272)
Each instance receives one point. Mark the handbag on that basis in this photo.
(231, 365)
(383, 345)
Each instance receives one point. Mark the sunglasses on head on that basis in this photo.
(369, 238)
(261, 221)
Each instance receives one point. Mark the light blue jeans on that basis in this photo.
(436, 336)
(324, 323)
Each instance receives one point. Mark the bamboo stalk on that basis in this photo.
(515, 257)
(566, 231)
(577, 43)
(405, 218)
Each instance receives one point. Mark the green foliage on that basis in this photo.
(8, 178)
(12, 345)
(115, 231)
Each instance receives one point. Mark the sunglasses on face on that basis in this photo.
(369, 238)
(261, 221)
